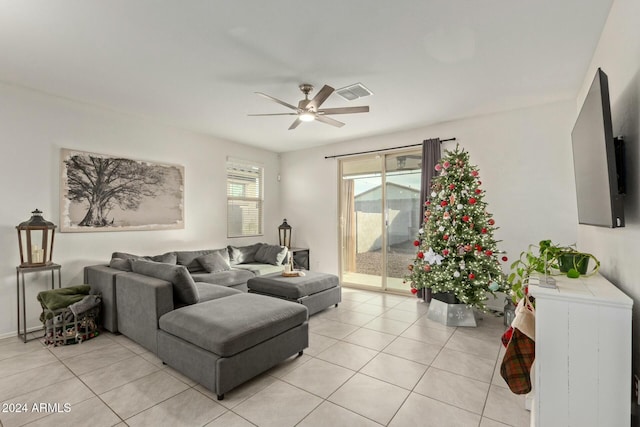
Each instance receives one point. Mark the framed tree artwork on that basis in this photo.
(100, 192)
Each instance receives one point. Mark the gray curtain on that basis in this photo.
(430, 157)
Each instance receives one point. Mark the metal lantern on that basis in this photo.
(35, 241)
(284, 233)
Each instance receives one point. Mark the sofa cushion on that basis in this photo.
(188, 258)
(235, 323)
(208, 291)
(231, 277)
(214, 262)
(271, 254)
(184, 288)
(260, 269)
(120, 264)
(168, 258)
(243, 254)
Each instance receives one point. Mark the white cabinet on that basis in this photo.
(583, 354)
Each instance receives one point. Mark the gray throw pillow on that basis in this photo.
(243, 254)
(189, 258)
(168, 258)
(214, 262)
(184, 288)
(271, 254)
(120, 264)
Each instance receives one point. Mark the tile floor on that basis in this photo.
(375, 360)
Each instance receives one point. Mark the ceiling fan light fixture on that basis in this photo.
(307, 116)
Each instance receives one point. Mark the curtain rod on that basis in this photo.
(383, 149)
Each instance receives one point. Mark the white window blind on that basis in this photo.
(244, 198)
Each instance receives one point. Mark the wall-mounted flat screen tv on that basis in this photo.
(598, 160)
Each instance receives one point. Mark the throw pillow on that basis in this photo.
(271, 254)
(120, 264)
(214, 262)
(244, 254)
(189, 258)
(184, 288)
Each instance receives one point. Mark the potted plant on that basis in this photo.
(552, 259)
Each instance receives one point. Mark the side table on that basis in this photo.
(20, 272)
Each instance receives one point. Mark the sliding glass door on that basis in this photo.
(379, 218)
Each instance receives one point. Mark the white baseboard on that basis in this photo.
(15, 334)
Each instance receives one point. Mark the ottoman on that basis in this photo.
(316, 291)
(224, 342)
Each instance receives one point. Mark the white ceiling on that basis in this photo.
(196, 64)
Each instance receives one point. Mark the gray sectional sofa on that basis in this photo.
(231, 266)
(212, 332)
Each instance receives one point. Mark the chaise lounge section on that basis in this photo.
(216, 335)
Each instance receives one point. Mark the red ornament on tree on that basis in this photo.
(416, 243)
(472, 201)
(484, 230)
(505, 259)
(491, 221)
(478, 248)
(472, 276)
(465, 218)
(427, 203)
(445, 237)
(414, 291)
(474, 173)
(478, 191)
(420, 255)
(445, 252)
(488, 252)
(451, 186)
(443, 203)
(438, 167)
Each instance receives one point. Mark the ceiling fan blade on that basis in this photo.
(320, 97)
(344, 110)
(329, 121)
(286, 104)
(295, 124)
(274, 114)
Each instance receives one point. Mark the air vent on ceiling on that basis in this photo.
(354, 91)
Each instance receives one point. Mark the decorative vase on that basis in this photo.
(445, 308)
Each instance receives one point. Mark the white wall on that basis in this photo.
(36, 126)
(525, 165)
(618, 54)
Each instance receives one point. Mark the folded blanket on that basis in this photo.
(63, 297)
(56, 299)
(85, 304)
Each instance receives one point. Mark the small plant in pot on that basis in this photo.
(549, 258)
(567, 259)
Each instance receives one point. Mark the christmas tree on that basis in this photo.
(457, 252)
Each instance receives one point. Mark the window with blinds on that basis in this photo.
(244, 198)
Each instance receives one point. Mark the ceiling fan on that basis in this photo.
(309, 110)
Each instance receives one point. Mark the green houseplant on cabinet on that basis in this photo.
(549, 258)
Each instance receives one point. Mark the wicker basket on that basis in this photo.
(63, 327)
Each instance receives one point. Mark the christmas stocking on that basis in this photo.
(516, 365)
(521, 350)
